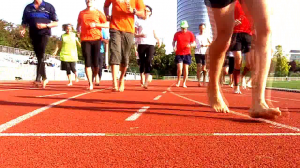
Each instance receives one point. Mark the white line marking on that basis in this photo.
(52, 95)
(24, 117)
(157, 98)
(136, 115)
(9, 90)
(140, 134)
(164, 92)
(272, 100)
(244, 115)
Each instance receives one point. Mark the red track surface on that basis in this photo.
(177, 129)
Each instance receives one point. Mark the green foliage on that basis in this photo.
(282, 66)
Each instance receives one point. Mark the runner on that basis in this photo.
(102, 58)
(122, 35)
(90, 23)
(146, 45)
(202, 43)
(223, 12)
(68, 52)
(182, 43)
(228, 67)
(240, 43)
(40, 17)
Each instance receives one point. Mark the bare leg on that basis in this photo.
(123, 70)
(115, 71)
(260, 12)
(204, 74)
(185, 74)
(70, 80)
(179, 72)
(76, 76)
(224, 19)
(89, 74)
(142, 79)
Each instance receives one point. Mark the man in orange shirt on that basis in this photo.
(122, 34)
(90, 23)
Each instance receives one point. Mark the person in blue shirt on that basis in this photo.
(40, 17)
(103, 50)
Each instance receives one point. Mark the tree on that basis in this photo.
(282, 66)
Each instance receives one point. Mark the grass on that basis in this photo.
(284, 84)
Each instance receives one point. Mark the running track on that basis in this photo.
(163, 126)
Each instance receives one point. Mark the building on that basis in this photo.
(294, 55)
(193, 11)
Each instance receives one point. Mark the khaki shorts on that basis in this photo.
(120, 44)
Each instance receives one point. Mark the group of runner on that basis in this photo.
(232, 27)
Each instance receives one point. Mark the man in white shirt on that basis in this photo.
(202, 43)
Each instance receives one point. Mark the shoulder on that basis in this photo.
(48, 5)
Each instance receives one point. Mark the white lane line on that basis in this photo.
(164, 92)
(9, 90)
(140, 134)
(24, 117)
(244, 115)
(136, 115)
(52, 95)
(157, 98)
(272, 100)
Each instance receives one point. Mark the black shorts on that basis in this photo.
(185, 59)
(91, 52)
(68, 66)
(226, 62)
(231, 64)
(241, 42)
(200, 59)
(218, 3)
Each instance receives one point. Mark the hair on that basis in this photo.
(202, 24)
(64, 26)
(147, 6)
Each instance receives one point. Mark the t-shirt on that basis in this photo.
(145, 27)
(201, 40)
(183, 39)
(44, 14)
(239, 14)
(121, 18)
(104, 36)
(85, 18)
(68, 52)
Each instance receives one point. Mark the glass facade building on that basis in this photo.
(195, 12)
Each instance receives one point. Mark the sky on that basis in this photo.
(285, 25)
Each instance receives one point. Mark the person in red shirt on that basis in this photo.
(240, 42)
(223, 14)
(182, 43)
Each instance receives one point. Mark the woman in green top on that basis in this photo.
(68, 52)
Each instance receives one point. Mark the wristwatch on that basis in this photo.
(134, 11)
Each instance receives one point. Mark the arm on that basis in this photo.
(58, 45)
(78, 43)
(24, 24)
(157, 39)
(106, 9)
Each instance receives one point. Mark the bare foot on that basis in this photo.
(184, 85)
(264, 112)
(70, 84)
(122, 86)
(237, 90)
(231, 85)
(199, 84)
(35, 84)
(76, 80)
(216, 100)
(178, 84)
(244, 85)
(249, 84)
(45, 82)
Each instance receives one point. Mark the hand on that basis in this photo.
(41, 26)
(175, 49)
(188, 46)
(158, 44)
(93, 25)
(22, 32)
(143, 35)
(105, 41)
(237, 22)
(108, 18)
